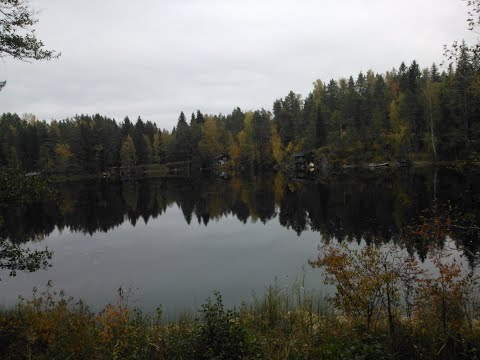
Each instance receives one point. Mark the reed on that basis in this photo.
(283, 323)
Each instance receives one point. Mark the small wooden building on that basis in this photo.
(221, 159)
(303, 161)
(303, 156)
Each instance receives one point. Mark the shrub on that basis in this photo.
(219, 334)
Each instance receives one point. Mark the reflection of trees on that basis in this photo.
(435, 226)
(374, 208)
(20, 192)
(14, 257)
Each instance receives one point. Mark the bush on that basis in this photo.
(220, 334)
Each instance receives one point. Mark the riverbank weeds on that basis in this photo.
(386, 306)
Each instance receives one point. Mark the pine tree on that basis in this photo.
(183, 140)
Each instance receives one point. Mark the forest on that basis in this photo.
(406, 114)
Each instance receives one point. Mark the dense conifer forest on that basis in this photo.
(407, 113)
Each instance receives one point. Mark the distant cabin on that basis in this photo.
(223, 176)
(303, 156)
(221, 159)
(303, 161)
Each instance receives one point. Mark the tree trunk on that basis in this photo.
(432, 132)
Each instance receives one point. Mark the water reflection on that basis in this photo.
(352, 207)
(178, 241)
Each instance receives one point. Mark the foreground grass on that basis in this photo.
(283, 324)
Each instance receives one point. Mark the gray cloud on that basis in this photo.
(156, 58)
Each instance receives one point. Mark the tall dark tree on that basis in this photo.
(288, 117)
(183, 139)
(234, 121)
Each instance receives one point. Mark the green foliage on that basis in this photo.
(402, 114)
(14, 257)
(384, 290)
(17, 36)
(17, 190)
(283, 324)
(183, 139)
(212, 142)
(128, 154)
(219, 334)
(406, 113)
(364, 347)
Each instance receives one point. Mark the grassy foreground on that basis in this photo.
(283, 324)
(387, 305)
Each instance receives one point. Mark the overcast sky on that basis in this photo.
(155, 58)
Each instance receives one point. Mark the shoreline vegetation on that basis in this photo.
(321, 170)
(386, 306)
(329, 170)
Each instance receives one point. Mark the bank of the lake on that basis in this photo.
(281, 324)
(321, 168)
(176, 241)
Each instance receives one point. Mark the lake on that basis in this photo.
(175, 241)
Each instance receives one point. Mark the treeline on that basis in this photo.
(404, 114)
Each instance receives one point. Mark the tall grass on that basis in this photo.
(283, 323)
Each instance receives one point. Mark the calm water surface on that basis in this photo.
(174, 242)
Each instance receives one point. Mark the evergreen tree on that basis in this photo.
(183, 139)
